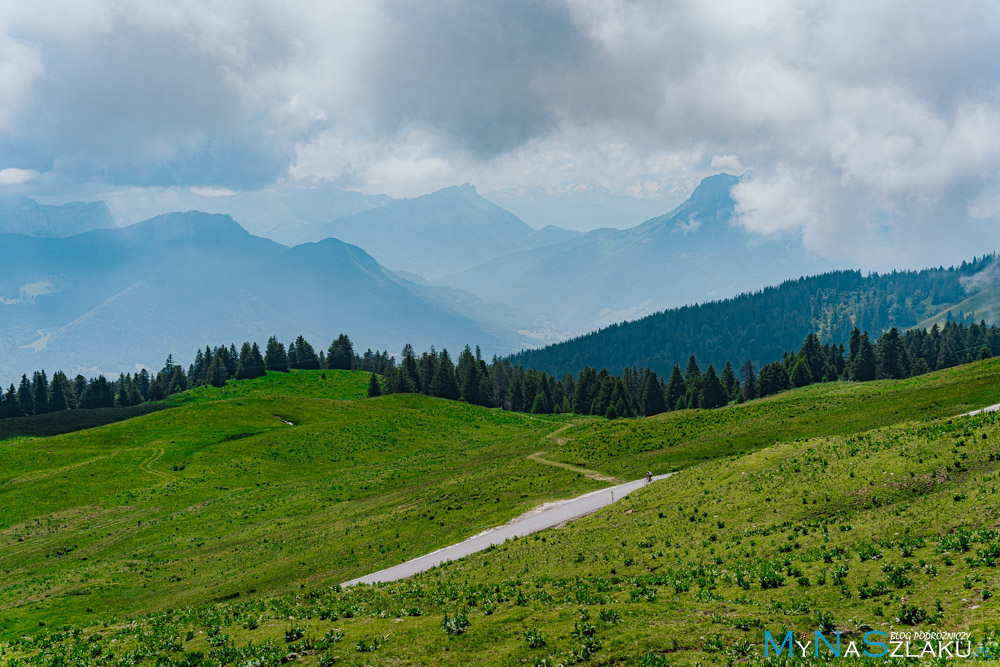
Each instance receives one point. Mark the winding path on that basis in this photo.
(540, 518)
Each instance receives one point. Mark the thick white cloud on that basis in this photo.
(870, 129)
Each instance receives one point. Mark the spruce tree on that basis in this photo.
(692, 375)
(340, 356)
(58, 390)
(99, 394)
(801, 375)
(275, 357)
(773, 378)
(142, 383)
(242, 373)
(675, 389)
(374, 388)
(540, 406)
(854, 349)
(713, 393)
(255, 368)
(40, 389)
(729, 381)
(216, 374)
(652, 395)
(516, 394)
(25, 396)
(585, 391)
(410, 374)
(157, 389)
(811, 353)
(748, 376)
(304, 356)
(864, 367)
(605, 393)
(132, 394)
(12, 405)
(468, 377)
(178, 379)
(946, 357)
(444, 384)
(428, 367)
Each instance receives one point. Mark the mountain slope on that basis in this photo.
(282, 212)
(763, 325)
(446, 231)
(691, 254)
(107, 300)
(334, 286)
(20, 215)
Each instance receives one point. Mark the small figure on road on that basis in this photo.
(649, 476)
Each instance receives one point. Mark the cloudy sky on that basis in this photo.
(871, 130)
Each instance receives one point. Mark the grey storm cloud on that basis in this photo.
(871, 130)
(482, 74)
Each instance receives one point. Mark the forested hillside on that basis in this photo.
(763, 325)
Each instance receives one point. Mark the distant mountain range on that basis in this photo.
(447, 231)
(579, 206)
(692, 254)
(20, 215)
(283, 212)
(107, 300)
(445, 269)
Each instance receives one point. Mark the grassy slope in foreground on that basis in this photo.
(870, 529)
(219, 497)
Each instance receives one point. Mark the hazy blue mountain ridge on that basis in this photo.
(440, 233)
(692, 254)
(107, 300)
(21, 215)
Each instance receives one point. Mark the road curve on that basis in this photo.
(540, 518)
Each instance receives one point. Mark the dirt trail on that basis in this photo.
(537, 457)
(592, 474)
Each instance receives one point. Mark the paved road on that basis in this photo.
(546, 516)
(992, 408)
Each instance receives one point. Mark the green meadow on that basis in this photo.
(215, 532)
(262, 486)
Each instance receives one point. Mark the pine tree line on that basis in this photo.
(212, 366)
(503, 384)
(641, 392)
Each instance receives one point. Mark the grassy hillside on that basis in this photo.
(849, 506)
(220, 497)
